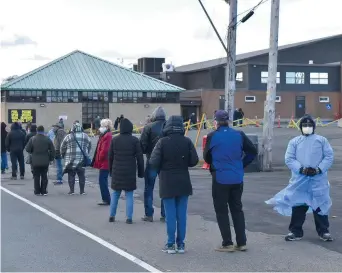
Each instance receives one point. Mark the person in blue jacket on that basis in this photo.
(228, 152)
(308, 156)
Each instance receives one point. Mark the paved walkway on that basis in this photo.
(145, 240)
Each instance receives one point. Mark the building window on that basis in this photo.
(239, 77)
(318, 78)
(264, 77)
(250, 99)
(278, 99)
(61, 96)
(145, 97)
(295, 77)
(324, 99)
(94, 96)
(25, 96)
(128, 97)
(92, 109)
(3, 96)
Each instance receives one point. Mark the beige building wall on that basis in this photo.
(47, 115)
(137, 112)
(3, 111)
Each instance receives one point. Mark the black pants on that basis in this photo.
(17, 157)
(298, 219)
(81, 178)
(40, 179)
(224, 196)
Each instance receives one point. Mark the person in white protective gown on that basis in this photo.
(309, 157)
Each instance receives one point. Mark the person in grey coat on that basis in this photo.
(42, 152)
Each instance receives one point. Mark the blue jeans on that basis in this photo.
(176, 211)
(150, 180)
(4, 162)
(129, 203)
(103, 182)
(59, 169)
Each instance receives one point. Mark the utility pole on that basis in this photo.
(269, 107)
(231, 59)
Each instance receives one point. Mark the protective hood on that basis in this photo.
(174, 125)
(307, 119)
(3, 126)
(126, 126)
(158, 114)
(15, 126)
(33, 128)
(76, 127)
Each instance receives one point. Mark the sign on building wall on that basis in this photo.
(22, 115)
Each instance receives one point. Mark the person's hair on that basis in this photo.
(222, 123)
(40, 128)
(107, 123)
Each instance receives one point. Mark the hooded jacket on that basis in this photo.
(59, 137)
(306, 119)
(3, 137)
(172, 156)
(125, 158)
(15, 140)
(33, 132)
(153, 131)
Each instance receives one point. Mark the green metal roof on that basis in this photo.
(79, 71)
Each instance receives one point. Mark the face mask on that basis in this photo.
(307, 130)
(102, 130)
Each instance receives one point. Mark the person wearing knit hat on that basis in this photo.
(75, 150)
(228, 152)
(309, 157)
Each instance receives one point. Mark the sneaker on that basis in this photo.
(44, 194)
(22, 177)
(326, 237)
(147, 218)
(181, 249)
(103, 203)
(112, 219)
(71, 193)
(129, 221)
(58, 182)
(169, 249)
(2, 171)
(229, 248)
(13, 178)
(241, 248)
(162, 219)
(82, 193)
(292, 237)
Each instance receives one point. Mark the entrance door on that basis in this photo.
(187, 111)
(90, 111)
(221, 103)
(300, 106)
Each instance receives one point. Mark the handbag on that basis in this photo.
(86, 158)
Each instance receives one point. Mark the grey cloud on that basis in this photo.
(18, 41)
(158, 53)
(110, 54)
(37, 57)
(204, 33)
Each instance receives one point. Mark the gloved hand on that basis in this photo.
(312, 171)
(303, 171)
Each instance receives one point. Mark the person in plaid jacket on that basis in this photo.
(73, 156)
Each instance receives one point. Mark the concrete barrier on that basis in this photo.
(339, 123)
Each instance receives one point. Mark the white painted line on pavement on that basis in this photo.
(102, 242)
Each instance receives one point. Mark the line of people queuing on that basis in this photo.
(169, 154)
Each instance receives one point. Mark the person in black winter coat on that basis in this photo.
(172, 157)
(149, 137)
(33, 132)
(125, 159)
(4, 133)
(15, 144)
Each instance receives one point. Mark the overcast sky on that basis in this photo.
(34, 32)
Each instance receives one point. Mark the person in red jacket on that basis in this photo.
(100, 160)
